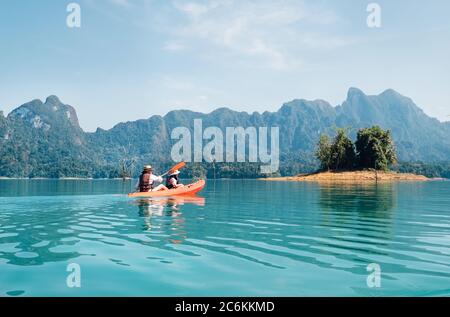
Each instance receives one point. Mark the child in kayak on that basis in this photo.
(148, 179)
(172, 181)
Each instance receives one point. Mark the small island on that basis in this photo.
(368, 159)
(352, 176)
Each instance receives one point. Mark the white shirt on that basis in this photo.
(153, 178)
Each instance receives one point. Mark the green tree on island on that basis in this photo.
(342, 151)
(374, 149)
(340, 154)
(323, 152)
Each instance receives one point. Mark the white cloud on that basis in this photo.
(194, 10)
(123, 3)
(173, 46)
(271, 33)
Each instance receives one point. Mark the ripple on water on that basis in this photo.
(41, 244)
(8, 234)
(26, 255)
(15, 293)
(65, 231)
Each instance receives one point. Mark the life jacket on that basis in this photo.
(168, 183)
(145, 183)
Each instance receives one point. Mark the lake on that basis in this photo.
(239, 237)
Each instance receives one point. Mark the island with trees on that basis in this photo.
(370, 158)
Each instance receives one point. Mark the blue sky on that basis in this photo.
(135, 58)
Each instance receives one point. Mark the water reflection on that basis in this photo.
(35, 231)
(359, 220)
(364, 199)
(166, 215)
(52, 187)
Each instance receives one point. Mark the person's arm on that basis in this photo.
(175, 183)
(158, 179)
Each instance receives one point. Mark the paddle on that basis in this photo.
(174, 168)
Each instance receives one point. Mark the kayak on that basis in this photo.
(190, 189)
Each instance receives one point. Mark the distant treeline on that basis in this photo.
(439, 169)
(289, 167)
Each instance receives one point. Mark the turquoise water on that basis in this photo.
(247, 238)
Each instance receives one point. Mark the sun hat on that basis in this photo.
(148, 168)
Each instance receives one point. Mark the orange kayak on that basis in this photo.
(180, 191)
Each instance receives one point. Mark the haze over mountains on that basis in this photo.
(44, 139)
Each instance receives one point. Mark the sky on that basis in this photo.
(132, 59)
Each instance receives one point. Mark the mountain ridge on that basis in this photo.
(303, 101)
(60, 144)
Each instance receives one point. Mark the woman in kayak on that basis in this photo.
(172, 181)
(148, 179)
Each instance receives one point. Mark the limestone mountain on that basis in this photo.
(44, 139)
